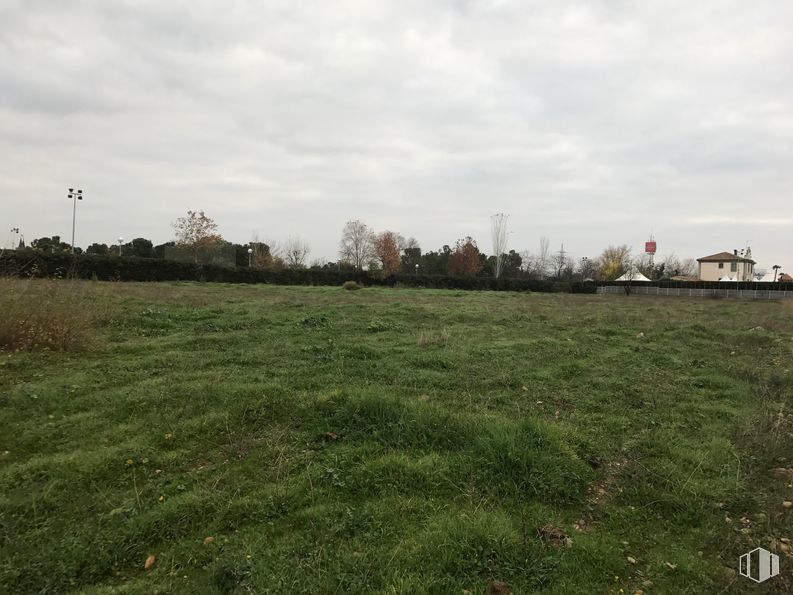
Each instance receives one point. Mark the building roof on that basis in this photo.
(724, 257)
(785, 278)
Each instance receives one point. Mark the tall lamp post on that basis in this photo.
(250, 258)
(14, 234)
(417, 269)
(120, 241)
(75, 196)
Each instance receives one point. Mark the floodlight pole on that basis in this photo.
(78, 195)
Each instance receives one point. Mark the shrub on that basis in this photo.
(351, 285)
(43, 315)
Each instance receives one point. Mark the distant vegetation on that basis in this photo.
(387, 254)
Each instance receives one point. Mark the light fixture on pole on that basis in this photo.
(250, 258)
(120, 241)
(75, 196)
(14, 234)
(417, 269)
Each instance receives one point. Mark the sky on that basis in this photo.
(591, 123)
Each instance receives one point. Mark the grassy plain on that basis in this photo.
(260, 439)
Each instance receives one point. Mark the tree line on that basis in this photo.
(386, 253)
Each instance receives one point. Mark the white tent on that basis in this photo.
(728, 278)
(633, 276)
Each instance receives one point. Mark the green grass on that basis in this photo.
(395, 441)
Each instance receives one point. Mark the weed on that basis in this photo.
(44, 314)
(433, 338)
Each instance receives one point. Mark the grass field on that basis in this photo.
(259, 439)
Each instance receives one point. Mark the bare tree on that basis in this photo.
(689, 267)
(357, 244)
(587, 268)
(295, 253)
(498, 228)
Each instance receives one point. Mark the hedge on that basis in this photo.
(112, 268)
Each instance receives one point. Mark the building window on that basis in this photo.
(734, 266)
(721, 265)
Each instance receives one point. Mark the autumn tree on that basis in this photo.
(613, 262)
(296, 252)
(387, 249)
(357, 244)
(197, 233)
(465, 260)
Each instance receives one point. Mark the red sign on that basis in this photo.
(649, 247)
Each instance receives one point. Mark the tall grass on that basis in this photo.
(44, 314)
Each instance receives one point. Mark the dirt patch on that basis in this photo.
(601, 493)
(554, 536)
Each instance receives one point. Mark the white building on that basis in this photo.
(726, 265)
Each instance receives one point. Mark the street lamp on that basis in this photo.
(75, 196)
(15, 233)
(417, 269)
(120, 240)
(250, 258)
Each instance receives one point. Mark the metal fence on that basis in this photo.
(220, 255)
(746, 294)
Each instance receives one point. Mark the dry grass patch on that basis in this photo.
(433, 338)
(45, 314)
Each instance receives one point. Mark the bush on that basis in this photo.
(350, 285)
(43, 315)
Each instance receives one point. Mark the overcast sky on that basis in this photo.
(588, 122)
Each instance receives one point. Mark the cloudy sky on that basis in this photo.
(590, 122)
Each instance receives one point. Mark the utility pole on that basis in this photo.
(561, 262)
(75, 196)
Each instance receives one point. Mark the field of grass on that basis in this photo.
(259, 439)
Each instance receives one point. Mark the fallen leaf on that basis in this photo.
(671, 566)
(424, 397)
(209, 540)
(787, 504)
(149, 562)
(631, 560)
(525, 389)
(330, 436)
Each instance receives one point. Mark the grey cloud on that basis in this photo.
(591, 122)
